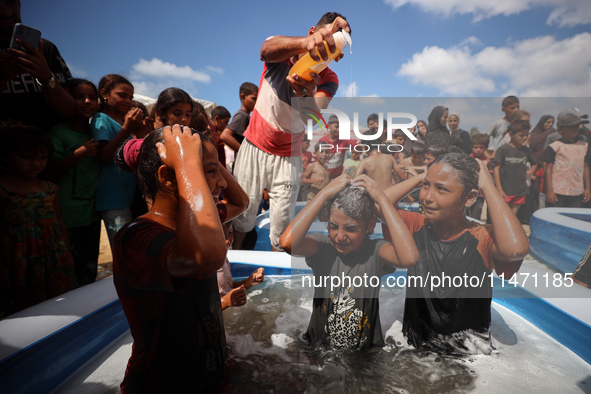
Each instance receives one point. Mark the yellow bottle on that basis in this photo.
(307, 65)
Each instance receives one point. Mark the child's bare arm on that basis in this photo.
(235, 297)
(531, 171)
(587, 183)
(497, 175)
(361, 169)
(228, 138)
(550, 195)
(397, 170)
(307, 175)
(133, 120)
(510, 241)
(235, 198)
(402, 252)
(57, 169)
(294, 239)
(398, 191)
(257, 277)
(199, 244)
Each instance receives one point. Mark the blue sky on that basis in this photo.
(401, 48)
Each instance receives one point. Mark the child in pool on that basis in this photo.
(234, 293)
(348, 316)
(35, 259)
(450, 245)
(165, 263)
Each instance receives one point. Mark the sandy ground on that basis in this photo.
(105, 261)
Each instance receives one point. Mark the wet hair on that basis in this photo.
(328, 18)
(220, 112)
(18, 137)
(248, 88)
(148, 162)
(481, 139)
(355, 202)
(75, 82)
(464, 166)
(168, 98)
(417, 148)
(509, 100)
(518, 126)
(108, 83)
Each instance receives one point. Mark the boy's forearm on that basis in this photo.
(404, 245)
(510, 239)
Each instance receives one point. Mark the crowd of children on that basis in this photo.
(57, 185)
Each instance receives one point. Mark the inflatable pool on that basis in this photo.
(49, 344)
(560, 236)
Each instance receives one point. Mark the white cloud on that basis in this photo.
(157, 68)
(564, 12)
(215, 69)
(541, 66)
(350, 90)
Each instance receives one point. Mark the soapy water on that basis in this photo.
(268, 354)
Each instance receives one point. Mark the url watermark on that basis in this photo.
(433, 282)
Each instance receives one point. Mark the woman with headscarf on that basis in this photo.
(437, 131)
(537, 140)
(459, 137)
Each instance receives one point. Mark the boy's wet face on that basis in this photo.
(211, 169)
(441, 193)
(346, 233)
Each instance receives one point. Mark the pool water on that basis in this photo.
(268, 355)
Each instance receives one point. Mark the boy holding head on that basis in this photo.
(347, 315)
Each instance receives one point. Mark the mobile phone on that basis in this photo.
(24, 33)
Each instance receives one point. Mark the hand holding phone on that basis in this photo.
(24, 33)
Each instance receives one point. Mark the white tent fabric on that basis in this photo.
(149, 101)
